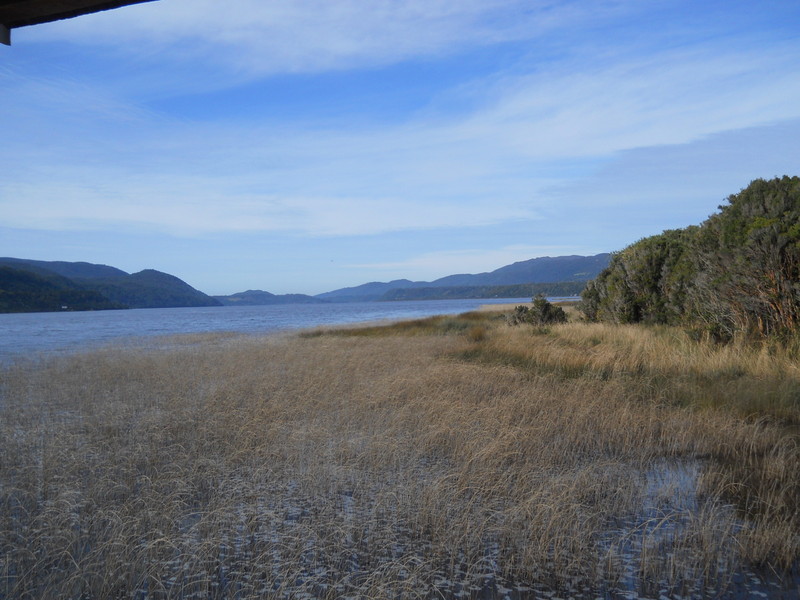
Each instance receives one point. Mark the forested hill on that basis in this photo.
(262, 298)
(36, 286)
(151, 289)
(519, 290)
(69, 270)
(736, 273)
(544, 270)
(26, 291)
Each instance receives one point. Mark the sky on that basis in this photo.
(305, 146)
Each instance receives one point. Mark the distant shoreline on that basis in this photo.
(570, 300)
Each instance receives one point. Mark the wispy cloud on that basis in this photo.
(593, 107)
(194, 210)
(492, 165)
(261, 37)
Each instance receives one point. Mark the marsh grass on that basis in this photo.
(755, 380)
(435, 325)
(441, 457)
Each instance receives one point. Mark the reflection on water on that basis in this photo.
(681, 543)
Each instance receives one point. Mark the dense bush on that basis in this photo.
(737, 272)
(749, 261)
(541, 312)
(646, 282)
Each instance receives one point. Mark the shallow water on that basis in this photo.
(26, 334)
(389, 548)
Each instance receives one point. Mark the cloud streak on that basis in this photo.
(547, 119)
(258, 37)
(489, 166)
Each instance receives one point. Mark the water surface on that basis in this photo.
(31, 334)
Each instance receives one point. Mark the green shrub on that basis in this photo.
(736, 273)
(540, 313)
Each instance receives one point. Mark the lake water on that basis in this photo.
(30, 334)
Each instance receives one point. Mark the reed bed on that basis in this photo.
(449, 458)
(756, 380)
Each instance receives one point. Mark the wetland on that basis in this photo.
(446, 457)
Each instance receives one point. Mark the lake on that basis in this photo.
(31, 334)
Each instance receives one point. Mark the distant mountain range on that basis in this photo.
(260, 298)
(544, 270)
(36, 285)
(519, 290)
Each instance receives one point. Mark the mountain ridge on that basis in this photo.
(97, 287)
(90, 286)
(541, 270)
(70, 270)
(29, 291)
(262, 298)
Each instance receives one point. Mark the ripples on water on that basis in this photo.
(29, 334)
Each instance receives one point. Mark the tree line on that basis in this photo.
(737, 272)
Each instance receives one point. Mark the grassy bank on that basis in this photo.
(433, 458)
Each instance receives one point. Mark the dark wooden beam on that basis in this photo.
(20, 13)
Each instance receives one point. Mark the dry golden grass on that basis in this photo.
(755, 380)
(414, 460)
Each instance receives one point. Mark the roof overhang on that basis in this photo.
(20, 13)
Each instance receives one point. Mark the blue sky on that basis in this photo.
(310, 145)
